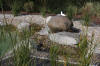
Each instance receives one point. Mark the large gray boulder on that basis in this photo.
(59, 23)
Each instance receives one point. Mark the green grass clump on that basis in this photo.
(86, 19)
(71, 11)
(53, 55)
(86, 49)
(22, 55)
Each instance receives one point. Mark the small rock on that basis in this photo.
(2, 24)
(44, 31)
(23, 26)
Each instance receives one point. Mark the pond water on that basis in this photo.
(10, 36)
(7, 38)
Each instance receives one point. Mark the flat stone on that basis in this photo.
(65, 38)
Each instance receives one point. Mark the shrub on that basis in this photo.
(87, 12)
(16, 8)
(71, 11)
(86, 19)
(29, 6)
(97, 8)
(43, 11)
(88, 9)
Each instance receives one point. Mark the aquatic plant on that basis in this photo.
(53, 55)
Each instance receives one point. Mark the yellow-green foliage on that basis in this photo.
(29, 6)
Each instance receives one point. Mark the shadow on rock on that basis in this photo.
(74, 30)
